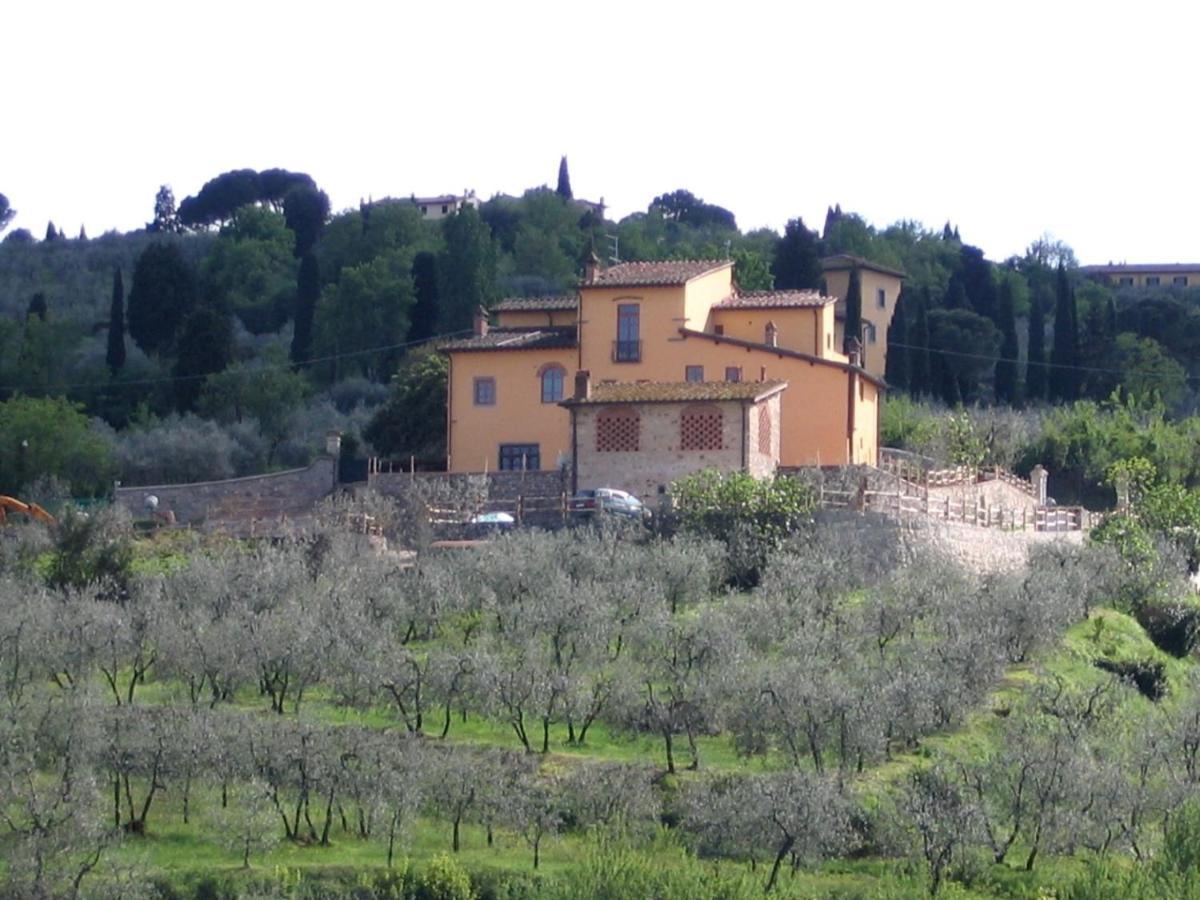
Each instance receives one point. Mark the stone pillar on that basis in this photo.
(1122, 486)
(1039, 478)
(333, 444)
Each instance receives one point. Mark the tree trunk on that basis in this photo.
(786, 846)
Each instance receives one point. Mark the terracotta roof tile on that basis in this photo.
(516, 339)
(774, 300)
(538, 304)
(678, 392)
(846, 261)
(658, 272)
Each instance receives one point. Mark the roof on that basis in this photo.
(775, 300)
(658, 272)
(538, 304)
(678, 392)
(784, 351)
(1139, 268)
(846, 261)
(441, 198)
(515, 339)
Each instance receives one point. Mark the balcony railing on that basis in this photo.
(627, 351)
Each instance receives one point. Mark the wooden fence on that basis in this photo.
(906, 502)
(520, 508)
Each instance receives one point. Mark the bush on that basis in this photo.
(1148, 676)
(1173, 626)
(444, 879)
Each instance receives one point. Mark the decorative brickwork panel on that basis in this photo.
(764, 429)
(617, 431)
(700, 428)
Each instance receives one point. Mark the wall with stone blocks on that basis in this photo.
(291, 493)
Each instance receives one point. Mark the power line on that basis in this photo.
(269, 367)
(1049, 365)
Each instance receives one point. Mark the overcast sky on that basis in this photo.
(1009, 119)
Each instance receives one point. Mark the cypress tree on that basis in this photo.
(1064, 353)
(423, 322)
(1035, 369)
(919, 374)
(853, 309)
(115, 356)
(51, 231)
(37, 307)
(1006, 367)
(564, 180)
(82, 233)
(896, 370)
(796, 263)
(308, 291)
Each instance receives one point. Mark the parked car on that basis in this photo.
(608, 501)
(484, 525)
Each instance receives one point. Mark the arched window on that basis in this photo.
(618, 430)
(700, 428)
(553, 377)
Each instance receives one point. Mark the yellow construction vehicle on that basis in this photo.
(12, 504)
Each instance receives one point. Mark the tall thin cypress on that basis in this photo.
(1035, 369)
(1006, 367)
(564, 180)
(853, 309)
(1064, 352)
(918, 354)
(896, 370)
(308, 292)
(115, 355)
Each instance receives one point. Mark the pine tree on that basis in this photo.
(956, 294)
(1064, 353)
(919, 369)
(115, 356)
(1006, 368)
(796, 264)
(308, 292)
(1035, 370)
(205, 348)
(853, 309)
(896, 370)
(564, 181)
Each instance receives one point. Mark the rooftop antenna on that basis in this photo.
(615, 255)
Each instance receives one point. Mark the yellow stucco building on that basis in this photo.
(668, 322)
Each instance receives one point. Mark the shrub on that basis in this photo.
(1148, 676)
(1173, 626)
(444, 879)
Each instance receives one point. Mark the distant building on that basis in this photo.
(1146, 274)
(445, 205)
(880, 288)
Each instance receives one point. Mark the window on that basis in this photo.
(718, 329)
(693, 373)
(552, 383)
(445, 209)
(881, 298)
(424, 210)
(700, 428)
(617, 431)
(1125, 281)
(764, 429)
(628, 346)
(869, 332)
(520, 457)
(1151, 281)
(733, 373)
(1179, 281)
(485, 391)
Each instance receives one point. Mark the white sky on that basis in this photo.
(1009, 119)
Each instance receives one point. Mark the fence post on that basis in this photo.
(520, 508)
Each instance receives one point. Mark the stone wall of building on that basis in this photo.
(292, 493)
(659, 459)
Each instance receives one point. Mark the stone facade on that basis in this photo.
(749, 441)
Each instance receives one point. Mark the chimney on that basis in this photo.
(772, 334)
(583, 385)
(333, 443)
(481, 322)
(854, 351)
(591, 268)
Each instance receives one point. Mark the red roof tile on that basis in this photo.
(774, 300)
(658, 272)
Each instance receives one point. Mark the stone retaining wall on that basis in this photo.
(290, 493)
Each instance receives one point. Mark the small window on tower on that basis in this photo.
(694, 373)
(733, 373)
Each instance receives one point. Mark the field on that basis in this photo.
(586, 714)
